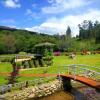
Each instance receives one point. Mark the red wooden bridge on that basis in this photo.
(84, 80)
(88, 75)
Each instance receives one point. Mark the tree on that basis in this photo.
(68, 32)
(86, 30)
(2, 48)
(90, 30)
(97, 31)
(83, 30)
(9, 43)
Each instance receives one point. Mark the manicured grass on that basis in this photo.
(8, 55)
(5, 67)
(58, 61)
(92, 60)
(3, 80)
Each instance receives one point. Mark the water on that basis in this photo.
(84, 92)
(79, 92)
(61, 95)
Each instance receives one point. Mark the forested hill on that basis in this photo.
(2, 28)
(15, 40)
(6, 28)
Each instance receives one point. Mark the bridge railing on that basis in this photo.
(81, 70)
(89, 71)
(94, 68)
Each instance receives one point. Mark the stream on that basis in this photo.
(79, 92)
(61, 95)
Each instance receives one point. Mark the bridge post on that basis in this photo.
(66, 83)
(74, 72)
(98, 90)
(68, 69)
(59, 78)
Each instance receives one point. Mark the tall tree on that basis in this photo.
(90, 30)
(9, 43)
(68, 32)
(86, 30)
(97, 31)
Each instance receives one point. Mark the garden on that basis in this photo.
(58, 61)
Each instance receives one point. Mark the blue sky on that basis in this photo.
(48, 16)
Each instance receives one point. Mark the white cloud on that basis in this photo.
(32, 14)
(55, 25)
(58, 6)
(28, 12)
(12, 3)
(12, 26)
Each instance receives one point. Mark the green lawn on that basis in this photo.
(5, 68)
(92, 60)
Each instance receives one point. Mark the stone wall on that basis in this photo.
(33, 91)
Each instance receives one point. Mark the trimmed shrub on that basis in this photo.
(30, 63)
(22, 53)
(48, 60)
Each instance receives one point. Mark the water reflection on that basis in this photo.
(61, 95)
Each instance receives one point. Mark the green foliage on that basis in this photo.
(5, 59)
(24, 41)
(68, 33)
(81, 45)
(21, 41)
(9, 42)
(89, 30)
(48, 60)
(30, 63)
(22, 53)
(46, 52)
(19, 64)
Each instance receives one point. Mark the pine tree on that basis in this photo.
(68, 32)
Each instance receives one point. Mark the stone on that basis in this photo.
(31, 96)
(53, 91)
(45, 94)
(33, 90)
(39, 95)
(2, 97)
(47, 91)
(36, 91)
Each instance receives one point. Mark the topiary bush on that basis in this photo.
(48, 60)
(22, 53)
(30, 63)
